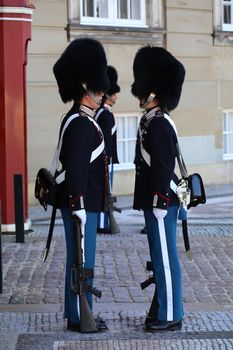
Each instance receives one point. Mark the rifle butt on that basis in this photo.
(87, 321)
(114, 228)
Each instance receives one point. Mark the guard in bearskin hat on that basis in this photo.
(158, 79)
(81, 74)
(105, 118)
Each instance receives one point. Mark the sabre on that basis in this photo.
(50, 234)
(186, 239)
(183, 217)
(184, 194)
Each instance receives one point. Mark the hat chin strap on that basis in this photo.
(148, 101)
(92, 95)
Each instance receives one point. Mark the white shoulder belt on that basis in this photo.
(146, 155)
(56, 162)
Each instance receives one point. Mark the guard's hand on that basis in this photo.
(159, 213)
(81, 214)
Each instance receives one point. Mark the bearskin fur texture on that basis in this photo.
(157, 70)
(83, 62)
(113, 77)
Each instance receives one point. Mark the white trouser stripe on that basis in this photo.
(167, 271)
(101, 220)
(78, 309)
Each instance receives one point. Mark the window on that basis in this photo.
(227, 15)
(127, 127)
(129, 13)
(223, 22)
(228, 135)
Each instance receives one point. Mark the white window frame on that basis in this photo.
(227, 26)
(228, 134)
(128, 164)
(112, 19)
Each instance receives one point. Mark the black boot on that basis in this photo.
(103, 230)
(149, 319)
(159, 326)
(143, 230)
(73, 326)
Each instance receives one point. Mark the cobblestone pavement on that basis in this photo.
(31, 302)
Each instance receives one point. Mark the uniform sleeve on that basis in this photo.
(162, 149)
(78, 143)
(106, 122)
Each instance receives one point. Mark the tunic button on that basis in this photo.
(141, 159)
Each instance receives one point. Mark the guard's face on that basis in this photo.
(114, 97)
(142, 101)
(149, 102)
(111, 100)
(99, 95)
(93, 101)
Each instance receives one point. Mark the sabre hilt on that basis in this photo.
(183, 192)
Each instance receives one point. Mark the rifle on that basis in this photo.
(150, 279)
(152, 314)
(113, 226)
(79, 276)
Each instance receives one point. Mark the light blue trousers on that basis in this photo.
(71, 308)
(164, 256)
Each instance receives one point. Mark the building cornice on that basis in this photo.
(118, 34)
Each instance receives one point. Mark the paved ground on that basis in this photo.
(31, 302)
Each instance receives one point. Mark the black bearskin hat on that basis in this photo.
(157, 70)
(112, 76)
(83, 62)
